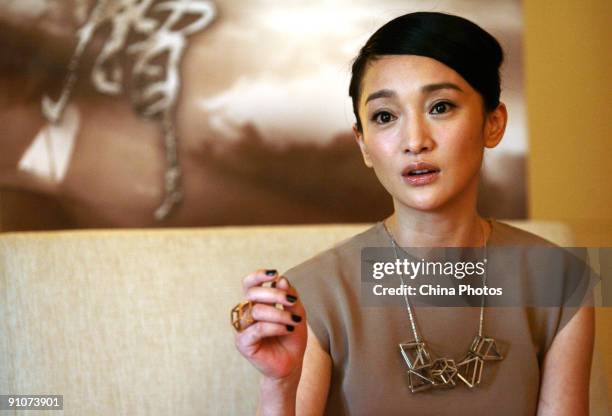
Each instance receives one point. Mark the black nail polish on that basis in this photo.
(290, 328)
(270, 272)
(291, 298)
(296, 318)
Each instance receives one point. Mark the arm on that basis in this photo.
(316, 376)
(566, 371)
(309, 397)
(295, 370)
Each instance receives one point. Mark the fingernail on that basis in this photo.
(270, 272)
(296, 318)
(290, 328)
(291, 298)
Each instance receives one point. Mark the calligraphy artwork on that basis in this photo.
(154, 80)
(208, 113)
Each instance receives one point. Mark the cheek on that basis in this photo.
(381, 146)
(463, 140)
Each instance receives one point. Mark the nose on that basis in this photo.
(417, 137)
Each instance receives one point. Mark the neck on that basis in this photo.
(457, 225)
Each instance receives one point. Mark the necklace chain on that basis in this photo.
(409, 307)
(425, 372)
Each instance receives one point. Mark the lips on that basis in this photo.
(420, 168)
(420, 173)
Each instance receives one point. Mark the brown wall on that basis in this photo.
(568, 64)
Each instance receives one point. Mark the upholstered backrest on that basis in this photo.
(137, 322)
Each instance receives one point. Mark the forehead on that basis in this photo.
(408, 73)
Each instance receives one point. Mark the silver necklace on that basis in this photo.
(424, 372)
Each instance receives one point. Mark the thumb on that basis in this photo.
(283, 283)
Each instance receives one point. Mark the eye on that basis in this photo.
(383, 117)
(441, 107)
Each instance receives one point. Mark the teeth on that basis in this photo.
(418, 172)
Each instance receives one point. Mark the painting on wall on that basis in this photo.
(156, 113)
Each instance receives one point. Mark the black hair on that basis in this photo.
(456, 42)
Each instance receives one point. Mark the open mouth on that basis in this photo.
(418, 172)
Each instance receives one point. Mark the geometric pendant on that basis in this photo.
(469, 370)
(418, 360)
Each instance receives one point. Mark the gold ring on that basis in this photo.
(241, 315)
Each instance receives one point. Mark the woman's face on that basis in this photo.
(424, 131)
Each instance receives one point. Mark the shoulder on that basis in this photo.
(328, 284)
(558, 279)
(504, 234)
(338, 257)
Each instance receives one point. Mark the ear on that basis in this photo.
(364, 152)
(495, 125)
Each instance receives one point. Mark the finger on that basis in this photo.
(258, 277)
(266, 313)
(284, 284)
(251, 336)
(272, 296)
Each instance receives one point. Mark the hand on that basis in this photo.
(276, 342)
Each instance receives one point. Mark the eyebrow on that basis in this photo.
(380, 94)
(425, 89)
(440, 86)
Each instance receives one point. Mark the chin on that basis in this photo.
(423, 204)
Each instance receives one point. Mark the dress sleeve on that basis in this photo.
(579, 281)
(312, 280)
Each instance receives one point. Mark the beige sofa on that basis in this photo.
(137, 322)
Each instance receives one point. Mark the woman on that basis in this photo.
(425, 91)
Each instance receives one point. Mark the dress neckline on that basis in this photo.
(384, 238)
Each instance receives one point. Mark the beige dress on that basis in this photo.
(369, 375)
